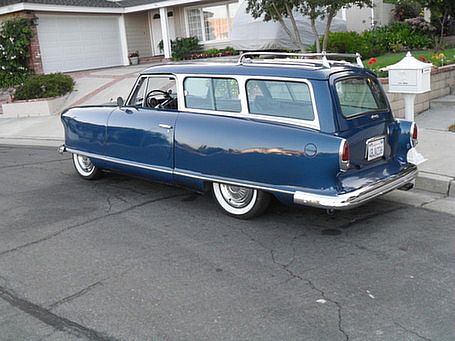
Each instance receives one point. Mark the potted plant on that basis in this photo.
(134, 57)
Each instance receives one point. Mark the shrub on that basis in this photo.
(183, 48)
(419, 24)
(394, 38)
(15, 35)
(212, 52)
(229, 50)
(345, 42)
(405, 9)
(44, 86)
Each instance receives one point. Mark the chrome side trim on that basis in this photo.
(121, 161)
(359, 196)
(229, 181)
(182, 172)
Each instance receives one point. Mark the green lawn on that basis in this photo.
(392, 58)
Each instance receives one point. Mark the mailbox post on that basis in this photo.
(409, 77)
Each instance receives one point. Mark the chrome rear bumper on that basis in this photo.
(359, 196)
(61, 149)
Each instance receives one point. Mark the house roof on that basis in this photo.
(82, 3)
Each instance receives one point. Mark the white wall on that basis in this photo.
(138, 34)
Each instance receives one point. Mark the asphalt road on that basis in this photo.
(124, 259)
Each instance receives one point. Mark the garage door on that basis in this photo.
(70, 43)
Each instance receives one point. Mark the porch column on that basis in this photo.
(165, 33)
(123, 40)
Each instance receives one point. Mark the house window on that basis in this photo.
(211, 23)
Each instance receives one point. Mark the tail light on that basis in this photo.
(344, 155)
(414, 135)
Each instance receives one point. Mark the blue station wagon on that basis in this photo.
(308, 129)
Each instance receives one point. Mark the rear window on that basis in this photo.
(359, 95)
(280, 98)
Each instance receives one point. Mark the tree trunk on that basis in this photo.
(325, 41)
(286, 29)
(298, 39)
(443, 22)
(316, 35)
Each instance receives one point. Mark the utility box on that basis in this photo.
(409, 76)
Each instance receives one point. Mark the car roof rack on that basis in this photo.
(302, 59)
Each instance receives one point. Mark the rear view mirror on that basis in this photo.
(120, 102)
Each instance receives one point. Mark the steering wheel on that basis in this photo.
(151, 101)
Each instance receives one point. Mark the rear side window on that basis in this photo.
(280, 98)
(220, 94)
(359, 95)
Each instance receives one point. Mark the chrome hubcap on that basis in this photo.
(85, 163)
(236, 196)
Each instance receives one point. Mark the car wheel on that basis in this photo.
(241, 202)
(85, 168)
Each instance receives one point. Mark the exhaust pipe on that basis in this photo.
(407, 187)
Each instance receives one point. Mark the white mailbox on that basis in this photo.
(409, 76)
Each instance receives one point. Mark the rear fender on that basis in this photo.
(403, 138)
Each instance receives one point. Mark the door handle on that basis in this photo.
(165, 126)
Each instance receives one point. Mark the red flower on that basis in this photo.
(372, 61)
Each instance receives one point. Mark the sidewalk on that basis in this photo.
(436, 143)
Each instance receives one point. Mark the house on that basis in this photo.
(72, 35)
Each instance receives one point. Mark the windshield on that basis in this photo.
(360, 95)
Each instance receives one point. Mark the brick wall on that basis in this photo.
(35, 64)
(442, 80)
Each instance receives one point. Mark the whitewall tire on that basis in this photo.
(85, 168)
(241, 202)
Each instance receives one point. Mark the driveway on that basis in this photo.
(91, 87)
(125, 259)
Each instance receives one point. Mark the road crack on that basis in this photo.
(57, 322)
(412, 332)
(75, 295)
(321, 292)
(293, 275)
(71, 227)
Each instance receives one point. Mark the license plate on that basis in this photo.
(375, 149)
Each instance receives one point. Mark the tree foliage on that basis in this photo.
(278, 10)
(442, 12)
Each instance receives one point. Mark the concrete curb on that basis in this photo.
(435, 183)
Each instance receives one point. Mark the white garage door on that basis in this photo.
(70, 43)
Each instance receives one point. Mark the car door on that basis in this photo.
(141, 134)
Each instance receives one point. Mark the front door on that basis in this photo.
(157, 36)
(141, 134)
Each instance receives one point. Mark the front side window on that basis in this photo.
(155, 92)
(211, 23)
(280, 98)
(220, 94)
(359, 95)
